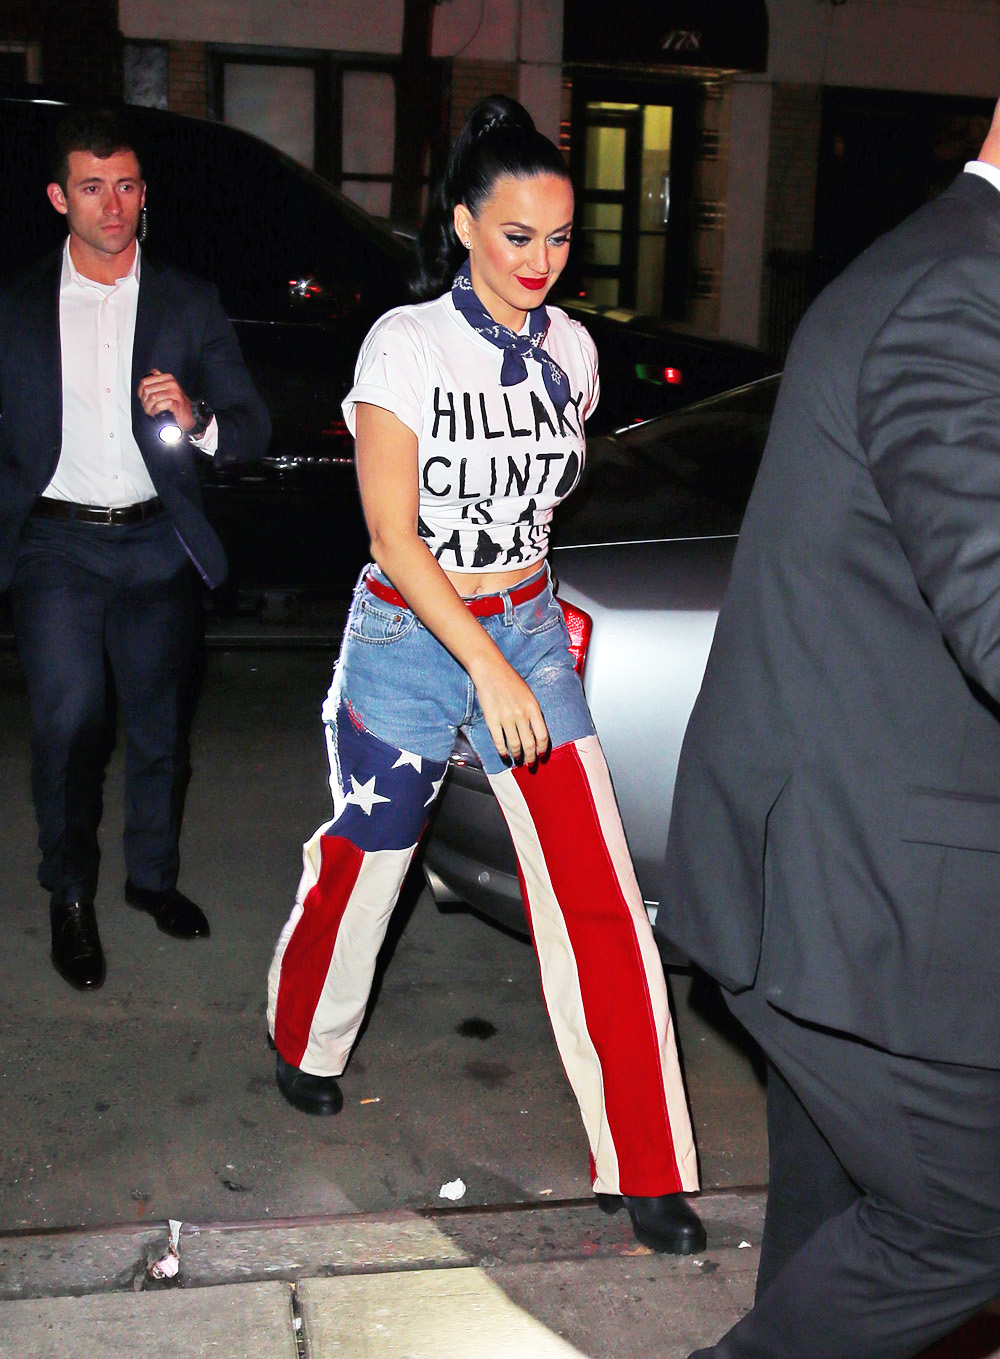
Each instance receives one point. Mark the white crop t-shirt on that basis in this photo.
(493, 461)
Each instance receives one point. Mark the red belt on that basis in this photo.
(483, 606)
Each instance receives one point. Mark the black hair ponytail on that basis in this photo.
(498, 139)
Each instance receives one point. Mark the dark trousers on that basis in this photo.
(883, 1217)
(102, 611)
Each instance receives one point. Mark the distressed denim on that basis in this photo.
(406, 688)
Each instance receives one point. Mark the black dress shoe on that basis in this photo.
(665, 1223)
(76, 946)
(311, 1094)
(173, 912)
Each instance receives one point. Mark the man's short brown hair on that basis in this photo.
(101, 131)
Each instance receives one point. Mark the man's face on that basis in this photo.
(102, 201)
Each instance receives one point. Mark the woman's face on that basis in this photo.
(518, 244)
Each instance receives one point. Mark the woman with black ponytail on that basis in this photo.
(468, 411)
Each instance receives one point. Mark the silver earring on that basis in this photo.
(468, 245)
(141, 233)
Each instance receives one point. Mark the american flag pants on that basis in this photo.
(601, 975)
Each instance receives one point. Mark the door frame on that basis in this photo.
(684, 97)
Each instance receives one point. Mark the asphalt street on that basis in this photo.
(154, 1097)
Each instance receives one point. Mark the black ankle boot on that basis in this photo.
(665, 1223)
(311, 1094)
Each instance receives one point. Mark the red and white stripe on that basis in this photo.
(324, 962)
(601, 973)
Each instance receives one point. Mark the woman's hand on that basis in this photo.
(511, 710)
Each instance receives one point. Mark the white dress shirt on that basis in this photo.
(100, 462)
(985, 171)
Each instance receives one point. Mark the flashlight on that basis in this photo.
(167, 428)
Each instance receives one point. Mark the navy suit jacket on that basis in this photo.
(835, 834)
(180, 328)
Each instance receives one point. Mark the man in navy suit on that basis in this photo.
(102, 532)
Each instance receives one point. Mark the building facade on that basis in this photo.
(731, 155)
(71, 47)
(799, 131)
(367, 94)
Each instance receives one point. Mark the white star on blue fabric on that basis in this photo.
(435, 786)
(408, 757)
(363, 795)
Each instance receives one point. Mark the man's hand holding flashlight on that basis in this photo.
(160, 392)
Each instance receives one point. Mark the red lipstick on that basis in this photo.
(535, 284)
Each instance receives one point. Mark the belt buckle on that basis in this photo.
(111, 516)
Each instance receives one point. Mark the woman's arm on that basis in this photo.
(387, 475)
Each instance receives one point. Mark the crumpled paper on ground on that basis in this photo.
(169, 1266)
(454, 1189)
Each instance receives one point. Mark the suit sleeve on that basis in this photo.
(223, 381)
(929, 421)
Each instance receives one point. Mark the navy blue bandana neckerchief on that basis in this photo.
(516, 348)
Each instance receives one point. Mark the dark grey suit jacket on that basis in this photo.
(180, 328)
(836, 825)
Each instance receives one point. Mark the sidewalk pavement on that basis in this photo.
(559, 1281)
(522, 1282)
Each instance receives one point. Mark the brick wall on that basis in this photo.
(472, 81)
(790, 210)
(791, 177)
(186, 79)
(80, 43)
(711, 167)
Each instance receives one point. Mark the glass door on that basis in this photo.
(608, 217)
(654, 207)
(626, 203)
(632, 147)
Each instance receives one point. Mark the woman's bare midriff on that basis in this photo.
(469, 583)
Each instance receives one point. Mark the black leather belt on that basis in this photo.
(47, 508)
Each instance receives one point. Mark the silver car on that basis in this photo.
(642, 549)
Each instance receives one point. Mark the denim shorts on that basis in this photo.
(405, 688)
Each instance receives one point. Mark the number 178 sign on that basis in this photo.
(682, 40)
(723, 34)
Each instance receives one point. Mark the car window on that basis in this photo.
(688, 474)
(279, 243)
